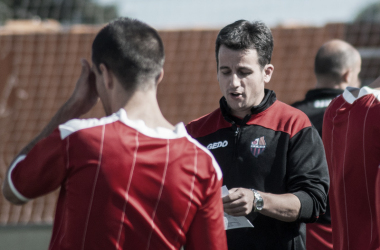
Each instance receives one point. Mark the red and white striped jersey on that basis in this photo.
(351, 136)
(125, 186)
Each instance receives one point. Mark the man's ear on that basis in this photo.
(268, 71)
(106, 74)
(346, 76)
(160, 77)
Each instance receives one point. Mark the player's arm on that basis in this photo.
(240, 202)
(81, 101)
(207, 230)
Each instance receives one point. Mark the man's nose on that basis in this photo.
(235, 80)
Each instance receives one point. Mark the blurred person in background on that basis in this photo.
(351, 132)
(337, 65)
(130, 180)
(272, 158)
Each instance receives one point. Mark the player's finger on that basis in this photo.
(236, 194)
(237, 211)
(234, 204)
(230, 198)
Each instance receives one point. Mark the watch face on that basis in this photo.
(259, 201)
(259, 204)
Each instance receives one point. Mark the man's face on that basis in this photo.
(241, 79)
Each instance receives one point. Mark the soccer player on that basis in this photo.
(272, 158)
(337, 65)
(130, 180)
(351, 131)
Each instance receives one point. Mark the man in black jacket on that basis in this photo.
(337, 66)
(272, 158)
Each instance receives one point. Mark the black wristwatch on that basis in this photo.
(258, 203)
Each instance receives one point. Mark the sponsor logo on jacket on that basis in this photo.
(258, 146)
(322, 103)
(219, 144)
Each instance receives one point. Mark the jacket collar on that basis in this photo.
(269, 99)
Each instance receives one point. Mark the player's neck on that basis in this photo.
(143, 105)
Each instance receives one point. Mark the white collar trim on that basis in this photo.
(159, 132)
(350, 98)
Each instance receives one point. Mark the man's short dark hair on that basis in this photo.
(243, 35)
(131, 49)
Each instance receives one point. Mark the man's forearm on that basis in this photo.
(284, 207)
(64, 114)
(81, 101)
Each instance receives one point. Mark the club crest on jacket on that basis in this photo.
(258, 146)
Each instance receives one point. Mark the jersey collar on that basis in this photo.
(158, 132)
(350, 98)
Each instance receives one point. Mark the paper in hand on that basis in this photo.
(231, 222)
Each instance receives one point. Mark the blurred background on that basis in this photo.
(42, 41)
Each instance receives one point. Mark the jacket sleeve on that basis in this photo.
(307, 173)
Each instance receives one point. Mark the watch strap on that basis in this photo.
(258, 202)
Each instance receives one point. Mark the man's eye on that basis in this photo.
(226, 72)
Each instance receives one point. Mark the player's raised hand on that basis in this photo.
(85, 95)
(239, 202)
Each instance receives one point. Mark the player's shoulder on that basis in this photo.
(371, 93)
(75, 125)
(207, 124)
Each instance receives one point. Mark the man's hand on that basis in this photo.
(85, 95)
(239, 202)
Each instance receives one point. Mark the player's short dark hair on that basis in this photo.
(331, 63)
(243, 35)
(131, 49)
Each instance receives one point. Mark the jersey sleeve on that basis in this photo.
(41, 171)
(207, 229)
(307, 173)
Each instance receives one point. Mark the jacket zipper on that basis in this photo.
(237, 137)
